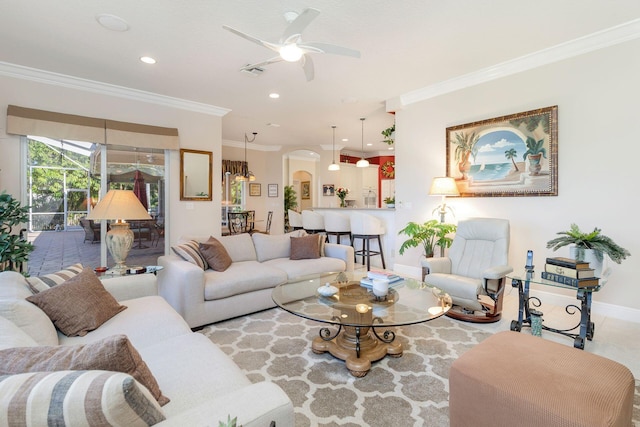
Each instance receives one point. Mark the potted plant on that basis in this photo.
(14, 249)
(342, 192)
(590, 247)
(535, 152)
(390, 202)
(430, 234)
(290, 202)
(389, 134)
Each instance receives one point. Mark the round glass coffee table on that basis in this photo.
(363, 320)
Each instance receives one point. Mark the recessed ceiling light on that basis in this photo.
(369, 144)
(274, 95)
(390, 148)
(112, 22)
(147, 60)
(273, 125)
(345, 139)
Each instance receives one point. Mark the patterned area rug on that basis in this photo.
(412, 390)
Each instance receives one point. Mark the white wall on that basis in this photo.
(598, 156)
(197, 131)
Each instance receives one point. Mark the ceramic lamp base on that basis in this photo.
(119, 241)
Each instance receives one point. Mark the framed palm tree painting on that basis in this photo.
(514, 155)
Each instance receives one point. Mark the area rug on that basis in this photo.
(412, 390)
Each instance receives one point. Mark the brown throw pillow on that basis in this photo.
(79, 305)
(306, 247)
(115, 353)
(215, 254)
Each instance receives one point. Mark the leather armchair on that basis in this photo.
(474, 273)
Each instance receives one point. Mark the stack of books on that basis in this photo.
(393, 279)
(570, 272)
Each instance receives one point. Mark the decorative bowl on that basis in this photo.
(327, 290)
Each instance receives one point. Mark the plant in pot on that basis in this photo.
(390, 202)
(14, 249)
(389, 135)
(290, 202)
(535, 152)
(590, 247)
(428, 235)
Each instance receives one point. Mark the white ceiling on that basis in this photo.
(405, 46)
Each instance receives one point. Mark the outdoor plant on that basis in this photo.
(14, 249)
(428, 235)
(595, 240)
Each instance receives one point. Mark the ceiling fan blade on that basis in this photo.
(261, 64)
(307, 66)
(255, 40)
(300, 23)
(330, 48)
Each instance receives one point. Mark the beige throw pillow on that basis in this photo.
(190, 251)
(306, 247)
(65, 398)
(115, 353)
(79, 305)
(215, 254)
(42, 283)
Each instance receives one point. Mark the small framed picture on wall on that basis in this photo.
(328, 190)
(272, 190)
(254, 189)
(305, 190)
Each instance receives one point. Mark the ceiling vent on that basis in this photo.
(253, 71)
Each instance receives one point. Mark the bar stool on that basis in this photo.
(337, 224)
(366, 227)
(295, 219)
(312, 222)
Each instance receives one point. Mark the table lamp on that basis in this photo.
(119, 205)
(443, 186)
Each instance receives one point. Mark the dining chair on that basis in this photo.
(237, 222)
(251, 221)
(268, 228)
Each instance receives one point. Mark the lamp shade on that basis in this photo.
(119, 204)
(444, 186)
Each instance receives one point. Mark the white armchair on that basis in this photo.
(474, 273)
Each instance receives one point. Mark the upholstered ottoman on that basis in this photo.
(515, 379)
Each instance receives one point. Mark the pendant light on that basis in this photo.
(246, 174)
(334, 166)
(362, 163)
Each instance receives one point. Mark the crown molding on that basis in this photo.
(580, 46)
(250, 145)
(56, 79)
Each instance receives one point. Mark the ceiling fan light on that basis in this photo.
(362, 163)
(291, 52)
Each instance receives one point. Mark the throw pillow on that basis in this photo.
(215, 254)
(42, 283)
(67, 398)
(30, 319)
(306, 247)
(79, 305)
(115, 353)
(190, 251)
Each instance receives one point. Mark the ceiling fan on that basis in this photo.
(291, 48)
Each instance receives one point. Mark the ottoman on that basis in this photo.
(515, 379)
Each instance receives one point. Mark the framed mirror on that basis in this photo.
(195, 175)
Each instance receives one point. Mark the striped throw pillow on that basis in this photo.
(42, 283)
(77, 398)
(190, 251)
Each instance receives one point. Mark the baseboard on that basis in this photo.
(627, 314)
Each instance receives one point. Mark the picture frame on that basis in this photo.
(272, 190)
(305, 190)
(255, 189)
(328, 190)
(483, 156)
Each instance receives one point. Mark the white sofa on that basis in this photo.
(260, 262)
(203, 384)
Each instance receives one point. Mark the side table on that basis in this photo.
(130, 286)
(585, 329)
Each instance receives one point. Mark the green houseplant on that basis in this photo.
(428, 235)
(595, 240)
(290, 202)
(14, 249)
(390, 201)
(389, 134)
